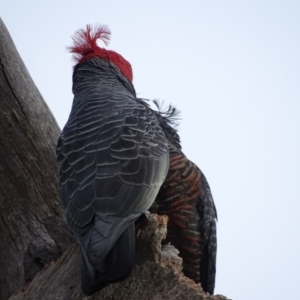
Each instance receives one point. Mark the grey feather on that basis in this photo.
(113, 158)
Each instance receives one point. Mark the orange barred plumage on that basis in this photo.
(186, 199)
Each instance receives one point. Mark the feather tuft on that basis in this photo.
(85, 41)
(171, 114)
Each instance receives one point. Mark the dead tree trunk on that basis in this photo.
(38, 257)
(28, 173)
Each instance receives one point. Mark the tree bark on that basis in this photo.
(28, 173)
(38, 257)
(157, 274)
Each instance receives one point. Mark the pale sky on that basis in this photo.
(233, 69)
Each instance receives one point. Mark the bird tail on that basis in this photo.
(208, 261)
(209, 240)
(100, 267)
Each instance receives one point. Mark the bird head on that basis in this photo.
(85, 47)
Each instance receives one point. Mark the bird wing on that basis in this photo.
(113, 157)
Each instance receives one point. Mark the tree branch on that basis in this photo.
(28, 173)
(156, 275)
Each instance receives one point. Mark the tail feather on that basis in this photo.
(208, 260)
(116, 266)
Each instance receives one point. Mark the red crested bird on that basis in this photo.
(113, 158)
(185, 197)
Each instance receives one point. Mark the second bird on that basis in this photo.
(185, 197)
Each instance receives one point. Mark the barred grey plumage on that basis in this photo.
(113, 158)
